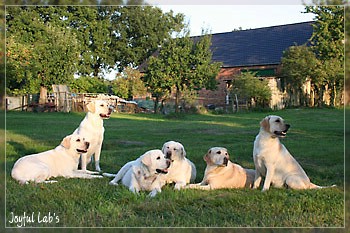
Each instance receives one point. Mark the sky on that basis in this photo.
(226, 18)
(226, 15)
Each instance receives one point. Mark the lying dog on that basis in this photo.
(92, 129)
(181, 171)
(273, 160)
(222, 173)
(144, 173)
(61, 161)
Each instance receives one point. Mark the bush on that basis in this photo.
(257, 91)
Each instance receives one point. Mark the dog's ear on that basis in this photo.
(146, 160)
(66, 142)
(183, 152)
(91, 107)
(265, 123)
(163, 148)
(206, 156)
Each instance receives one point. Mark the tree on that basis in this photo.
(299, 65)
(138, 31)
(158, 83)
(107, 36)
(182, 64)
(2, 56)
(87, 84)
(328, 44)
(128, 84)
(40, 54)
(347, 54)
(249, 87)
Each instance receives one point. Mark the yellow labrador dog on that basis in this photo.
(91, 128)
(273, 161)
(181, 171)
(143, 174)
(61, 161)
(222, 173)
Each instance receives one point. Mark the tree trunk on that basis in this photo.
(334, 95)
(156, 104)
(177, 97)
(43, 95)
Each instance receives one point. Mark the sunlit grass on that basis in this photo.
(316, 139)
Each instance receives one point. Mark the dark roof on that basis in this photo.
(261, 46)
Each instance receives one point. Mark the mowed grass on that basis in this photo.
(316, 139)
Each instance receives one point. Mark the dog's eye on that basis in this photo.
(158, 158)
(101, 105)
(226, 153)
(278, 120)
(219, 152)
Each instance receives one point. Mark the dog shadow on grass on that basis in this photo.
(18, 150)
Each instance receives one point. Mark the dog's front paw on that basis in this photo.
(191, 186)
(113, 183)
(153, 193)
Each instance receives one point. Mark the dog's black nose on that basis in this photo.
(287, 127)
(168, 155)
(87, 144)
(225, 161)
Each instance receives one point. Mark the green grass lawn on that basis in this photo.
(316, 139)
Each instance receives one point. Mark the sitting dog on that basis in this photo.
(222, 173)
(92, 129)
(273, 161)
(61, 161)
(144, 173)
(181, 171)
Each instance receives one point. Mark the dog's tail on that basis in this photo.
(314, 186)
(109, 174)
(120, 173)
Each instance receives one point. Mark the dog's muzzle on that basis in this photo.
(108, 115)
(282, 133)
(164, 171)
(168, 155)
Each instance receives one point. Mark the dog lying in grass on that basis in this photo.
(222, 173)
(61, 161)
(144, 173)
(181, 171)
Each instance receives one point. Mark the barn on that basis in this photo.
(258, 50)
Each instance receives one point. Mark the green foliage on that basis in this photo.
(328, 45)
(56, 42)
(347, 50)
(328, 36)
(2, 55)
(87, 84)
(39, 54)
(249, 87)
(128, 84)
(182, 64)
(322, 63)
(139, 32)
(299, 65)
